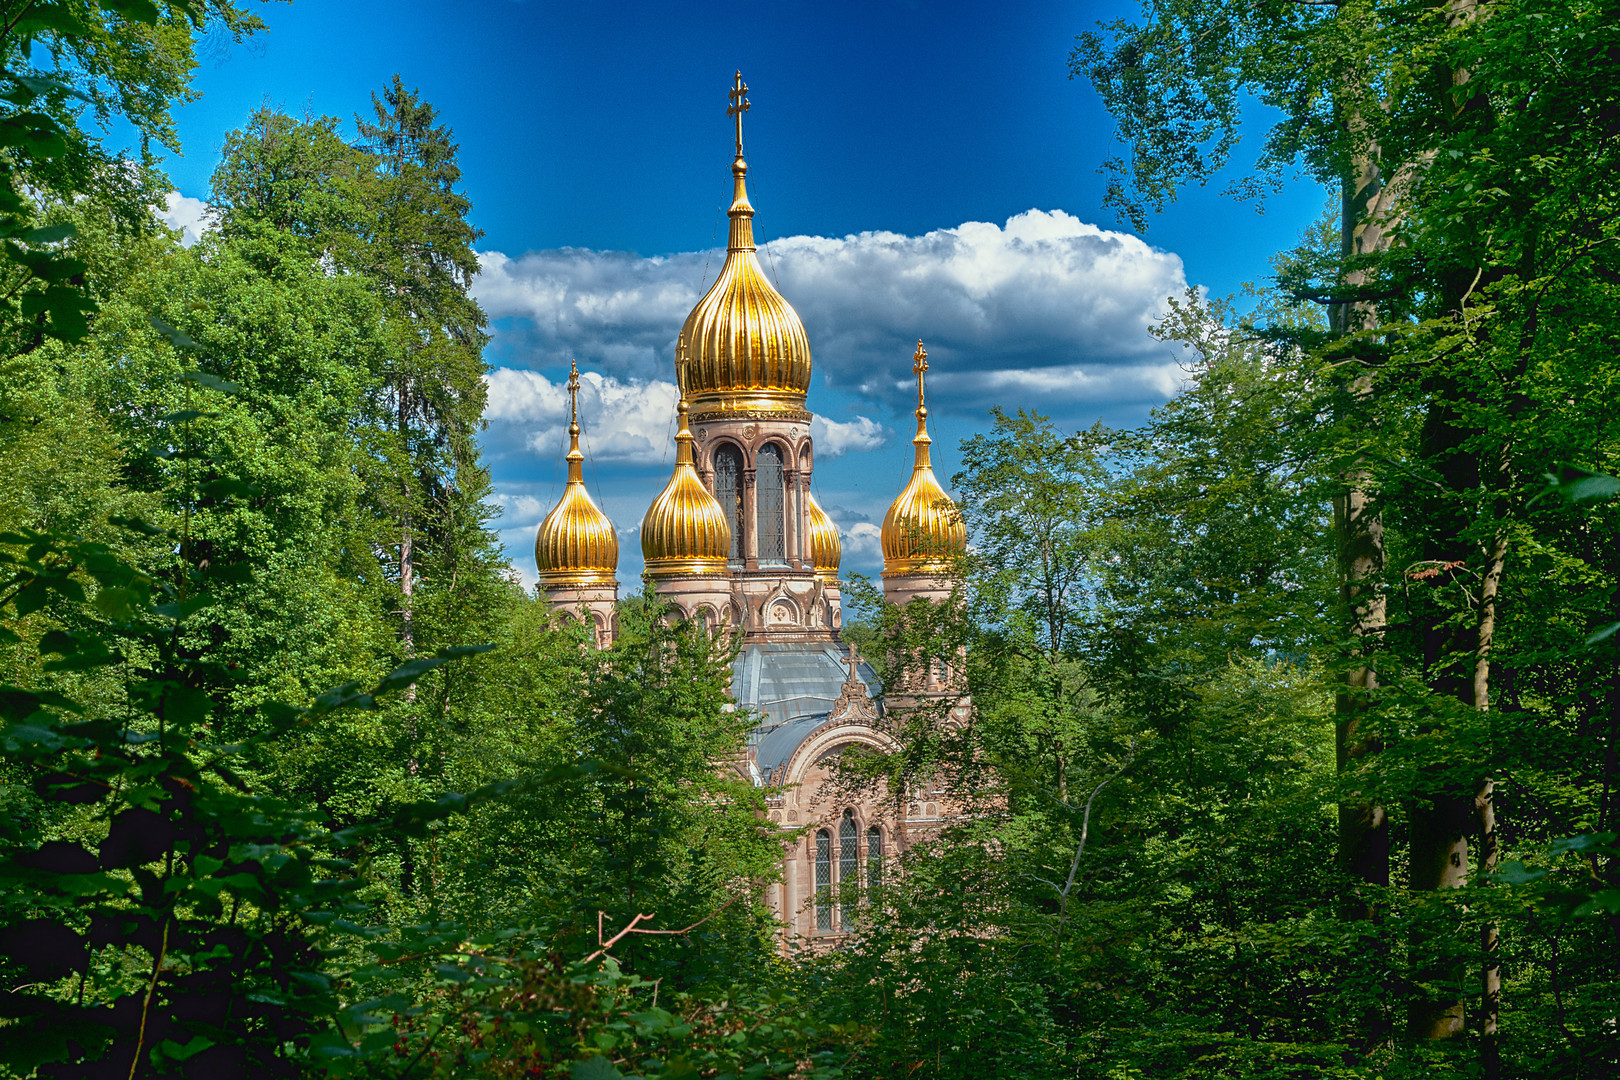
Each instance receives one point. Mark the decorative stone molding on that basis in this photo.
(709, 416)
(854, 704)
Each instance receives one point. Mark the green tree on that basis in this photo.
(422, 260)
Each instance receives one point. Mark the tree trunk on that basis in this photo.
(1490, 935)
(1363, 824)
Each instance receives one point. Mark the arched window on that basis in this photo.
(849, 869)
(824, 907)
(874, 858)
(728, 493)
(770, 504)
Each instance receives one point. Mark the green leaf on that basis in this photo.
(1580, 485)
(1607, 901)
(59, 641)
(229, 488)
(596, 1068)
(69, 324)
(51, 234)
(51, 17)
(117, 602)
(183, 609)
(408, 673)
(137, 525)
(141, 11)
(1516, 873)
(212, 382)
(178, 338)
(1582, 843)
(34, 85)
(168, 1048)
(1603, 634)
(84, 661)
(456, 652)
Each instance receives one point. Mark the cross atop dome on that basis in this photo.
(573, 397)
(919, 367)
(738, 106)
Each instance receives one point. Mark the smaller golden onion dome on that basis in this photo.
(685, 531)
(826, 550)
(923, 531)
(576, 544)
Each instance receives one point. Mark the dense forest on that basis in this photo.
(1295, 735)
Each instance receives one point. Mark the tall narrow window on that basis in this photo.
(849, 869)
(728, 493)
(824, 906)
(874, 858)
(770, 504)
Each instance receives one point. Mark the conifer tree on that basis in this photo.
(422, 259)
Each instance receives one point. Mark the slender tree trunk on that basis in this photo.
(1611, 797)
(1489, 848)
(407, 560)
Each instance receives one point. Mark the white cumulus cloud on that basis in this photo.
(834, 438)
(187, 215)
(863, 546)
(623, 421)
(1043, 293)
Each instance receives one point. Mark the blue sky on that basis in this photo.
(896, 153)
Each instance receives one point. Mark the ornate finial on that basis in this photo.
(739, 105)
(683, 357)
(683, 432)
(919, 365)
(576, 472)
(854, 658)
(573, 397)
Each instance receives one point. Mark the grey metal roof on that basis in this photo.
(790, 686)
(777, 743)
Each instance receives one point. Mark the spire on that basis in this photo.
(747, 353)
(576, 544)
(919, 366)
(740, 237)
(683, 435)
(576, 460)
(923, 531)
(684, 531)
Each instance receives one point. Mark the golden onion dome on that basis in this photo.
(685, 531)
(576, 544)
(747, 350)
(923, 531)
(826, 550)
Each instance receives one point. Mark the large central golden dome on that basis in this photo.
(746, 350)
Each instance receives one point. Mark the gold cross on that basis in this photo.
(573, 392)
(739, 105)
(919, 364)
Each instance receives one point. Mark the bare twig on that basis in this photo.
(634, 928)
(1074, 864)
(151, 991)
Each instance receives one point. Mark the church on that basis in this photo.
(736, 540)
